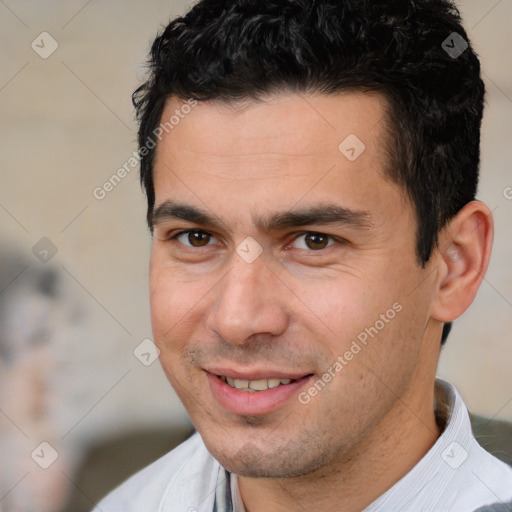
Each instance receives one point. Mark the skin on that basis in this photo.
(299, 305)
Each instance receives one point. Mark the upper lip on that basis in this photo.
(255, 374)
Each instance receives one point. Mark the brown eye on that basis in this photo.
(198, 238)
(194, 238)
(313, 241)
(316, 241)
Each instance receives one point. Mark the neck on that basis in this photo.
(357, 478)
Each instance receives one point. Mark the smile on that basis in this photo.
(257, 392)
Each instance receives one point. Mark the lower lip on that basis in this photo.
(257, 403)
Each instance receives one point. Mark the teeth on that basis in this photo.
(259, 385)
(273, 383)
(255, 385)
(241, 384)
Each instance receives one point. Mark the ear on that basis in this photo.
(462, 256)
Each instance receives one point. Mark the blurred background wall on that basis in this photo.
(74, 278)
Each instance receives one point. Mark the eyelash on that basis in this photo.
(298, 235)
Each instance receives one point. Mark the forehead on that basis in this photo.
(282, 148)
(287, 123)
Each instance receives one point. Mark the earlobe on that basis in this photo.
(463, 257)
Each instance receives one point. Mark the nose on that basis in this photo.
(249, 300)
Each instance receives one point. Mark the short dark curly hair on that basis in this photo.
(238, 49)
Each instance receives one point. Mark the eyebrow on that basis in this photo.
(331, 214)
(169, 210)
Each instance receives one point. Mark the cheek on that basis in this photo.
(174, 303)
(343, 307)
(372, 324)
(171, 328)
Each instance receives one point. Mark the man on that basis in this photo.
(311, 170)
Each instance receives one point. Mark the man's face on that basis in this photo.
(336, 283)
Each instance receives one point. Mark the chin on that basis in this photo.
(280, 462)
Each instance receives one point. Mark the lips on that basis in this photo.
(254, 393)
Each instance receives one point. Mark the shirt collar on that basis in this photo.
(425, 485)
